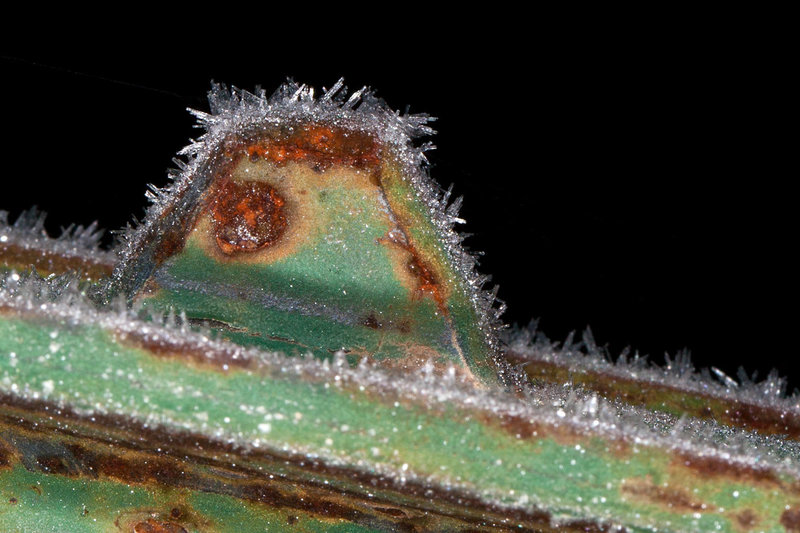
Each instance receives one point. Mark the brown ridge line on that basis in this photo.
(219, 359)
(714, 467)
(179, 449)
(673, 498)
(740, 413)
(50, 262)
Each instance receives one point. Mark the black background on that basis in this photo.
(629, 178)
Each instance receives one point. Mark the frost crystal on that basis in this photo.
(529, 344)
(28, 233)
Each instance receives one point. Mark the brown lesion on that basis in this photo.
(317, 147)
(745, 520)
(707, 467)
(152, 525)
(675, 499)
(259, 211)
(416, 272)
(165, 348)
(321, 144)
(247, 215)
(790, 519)
(49, 262)
(174, 516)
(377, 322)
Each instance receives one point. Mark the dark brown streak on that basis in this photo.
(122, 449)
(49, 262)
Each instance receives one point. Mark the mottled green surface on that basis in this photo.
(33, 502)
(447, 445)
(294, 278)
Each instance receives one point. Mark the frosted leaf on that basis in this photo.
(553, 405)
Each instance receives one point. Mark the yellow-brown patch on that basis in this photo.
(284, 215)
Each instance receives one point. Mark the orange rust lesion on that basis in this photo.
(322, 144)
(258, 212)
(428, 284)
(258, 224)
(422, 276)
(247, 216)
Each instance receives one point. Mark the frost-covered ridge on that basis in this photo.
(585, 356)
(552, 406)
(28, 232)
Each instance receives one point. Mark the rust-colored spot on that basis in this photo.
(247, 216)
(521, 427)
(323, 145)
(12, 501)
(427, 282)
(157, 526)
(790, 519)
(5, 460)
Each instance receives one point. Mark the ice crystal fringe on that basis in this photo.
(679, 372)
(237, 111)
(59, 300)
(28, 232)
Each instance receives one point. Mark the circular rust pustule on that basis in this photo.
(247, 216)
